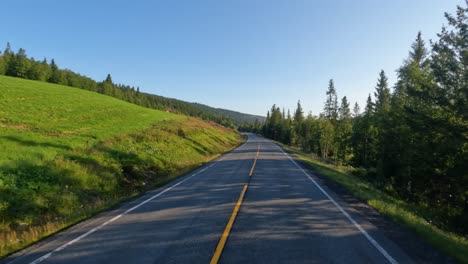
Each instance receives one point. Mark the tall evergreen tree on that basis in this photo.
(298, 137)
(343, 131)
(331, 104)
(57, 76)
(369, 110)
(18, 64)
(109, 79)
(344, 111)
(442, 112)
(7, 49)
(381, 119)
(299, 113)
(382, 94)
(356, 110)
(404, 139)
(364, 137)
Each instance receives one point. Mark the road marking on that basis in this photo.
(253, 167)
(255, 161)
(358, 226)
(120, 215)
(227, 230)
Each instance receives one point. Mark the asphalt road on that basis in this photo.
(285, 217)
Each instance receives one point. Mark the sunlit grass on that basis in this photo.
(68, 153)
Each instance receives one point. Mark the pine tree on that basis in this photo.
(299, 113)
(343, 131)
(403, 139)
(53, 66)
(289, 127)
(18, 64)
(298, 125)
(7, 49)
(356, 110)
(331, 104)
(109, 79)
(382, 94)
(344, 111)
(57, 76)
(382, 125)
(369, 110)
(364, 137)
(440, 111)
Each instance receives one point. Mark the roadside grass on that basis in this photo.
(399, 211)
(67, 154)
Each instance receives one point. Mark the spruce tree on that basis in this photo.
(57, 75)
(443, 115)
(298, 125)
(404, 140)
(382, 94)
(364, 137)
(369, 110)
(344, 111)
(299, 113)
(331, 104)
(356, 110)
(382, 125)
(343, 131)
(18, 64)
(109, 79)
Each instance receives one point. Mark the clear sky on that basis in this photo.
(243, 55)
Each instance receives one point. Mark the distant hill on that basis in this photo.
(238, 117)
(222, 116)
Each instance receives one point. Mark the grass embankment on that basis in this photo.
(67, 153)
(398, 210)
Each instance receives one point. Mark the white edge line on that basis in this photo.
(358, 226)
(120, 215)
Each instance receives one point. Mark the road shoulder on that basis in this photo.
(415, 247)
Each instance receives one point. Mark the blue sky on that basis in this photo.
(243, 55)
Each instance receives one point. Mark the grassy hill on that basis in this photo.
(19, 65)
(67, 153)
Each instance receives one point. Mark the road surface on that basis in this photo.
(278, 214)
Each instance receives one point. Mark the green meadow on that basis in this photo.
(67, 153)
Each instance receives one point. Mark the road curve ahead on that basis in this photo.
(252, 205)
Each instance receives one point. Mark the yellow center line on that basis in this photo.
(253, 167)
(227, 230)
(255, 161)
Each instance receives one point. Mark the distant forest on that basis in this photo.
(19, 65)
(411, 142)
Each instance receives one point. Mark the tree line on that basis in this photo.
(20, 65)
(410, 141)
